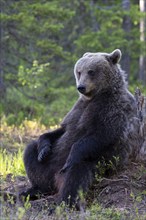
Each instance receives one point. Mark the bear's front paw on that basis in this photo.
(44, 153)
(68, 165)
(44, 148)
(64, 168)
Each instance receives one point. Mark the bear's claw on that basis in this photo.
(44, 153)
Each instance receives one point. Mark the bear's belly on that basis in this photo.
(63, 146)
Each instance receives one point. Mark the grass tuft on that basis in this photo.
(11, 163)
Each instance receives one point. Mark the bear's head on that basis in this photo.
(98, 72)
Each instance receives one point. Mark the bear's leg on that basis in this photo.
(39, 174)
(79, 177)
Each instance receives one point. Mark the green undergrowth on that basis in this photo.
(11, 163)
(62, 212)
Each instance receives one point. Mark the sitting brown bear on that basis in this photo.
(63, 161)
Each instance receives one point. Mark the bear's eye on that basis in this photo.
(91, 72)
(79, 74)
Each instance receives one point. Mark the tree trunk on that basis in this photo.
(127, 28)
(142, 58)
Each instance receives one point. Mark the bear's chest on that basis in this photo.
(84, 120)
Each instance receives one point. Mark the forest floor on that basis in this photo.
(120, 196)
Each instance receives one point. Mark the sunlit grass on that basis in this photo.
(11, 163)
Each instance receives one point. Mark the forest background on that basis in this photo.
(42, 40)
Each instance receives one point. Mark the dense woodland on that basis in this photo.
(42, 40)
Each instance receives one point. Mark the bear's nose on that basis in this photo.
(81, 89)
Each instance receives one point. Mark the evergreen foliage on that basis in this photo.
(41, 41)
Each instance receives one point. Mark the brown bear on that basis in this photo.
(63, 161)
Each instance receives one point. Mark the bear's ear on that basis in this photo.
(115, 56)
(86, 54)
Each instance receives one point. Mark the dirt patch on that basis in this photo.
(125, 190)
